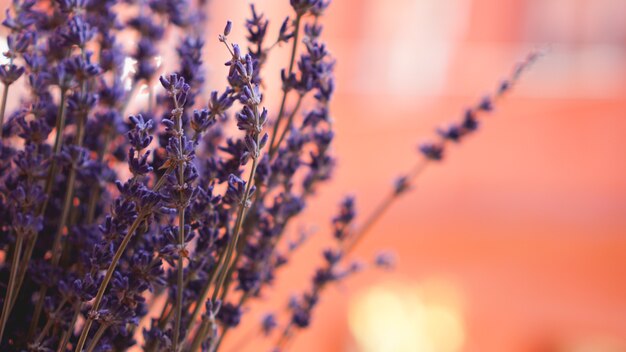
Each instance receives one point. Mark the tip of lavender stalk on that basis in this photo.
(228, 28)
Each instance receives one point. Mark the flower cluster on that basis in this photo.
(109, 202)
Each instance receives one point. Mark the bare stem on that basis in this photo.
(50, 321)
(57, 246)
(274, 148)
(6, 307)
(109, 274)
(200, 335)
(180, 279)
(106, 280)
(68, 333)
(113, 265)
(3, 107)
(94, 194)
(181, 227)
(226, 328)
(233, 242)
(381, 209)
(356, 237)
(203, 296)
(96, 337)
(58, 142)
(292, 60)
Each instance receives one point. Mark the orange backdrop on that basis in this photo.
(522, 230)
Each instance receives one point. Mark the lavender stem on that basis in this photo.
(6, 307)
(109, 274)
(274, 148)
(105, 282)
(181, 228)
(96, 337)
(5, 94)
(232, 244)
(292, 61)
(68, 333)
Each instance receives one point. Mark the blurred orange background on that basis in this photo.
(517, 241)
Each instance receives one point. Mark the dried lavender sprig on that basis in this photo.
(57, 246)
(52, 171)
(433, 152)
(452, 134)
(253, 126)
(79, 33)
(204, 294)
(315, 72)
(258, 266)
(116, 258)
(254, 100)
(177, 113)
(9, 74)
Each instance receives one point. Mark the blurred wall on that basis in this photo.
(524, 224)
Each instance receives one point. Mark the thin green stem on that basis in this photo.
(57, 246)
(292, 60)
(200, 335)
(109, 274)
(50, 322)
(226, 328)
(106, 280)
(58, 142)
(289, 123)
(203, 296)
(96, 337)
(181, 226)
(94, 194)
(6, 307)
(3, 107)
(381, 209)
(68, 333)
(34, 322)
(180, 278)
(233, 243)
(357, 236)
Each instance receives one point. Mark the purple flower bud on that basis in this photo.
(486, 104)
(432, 151)
(385, 260)
(268, 323)
(229, 314)
(10, 73)
(401, 185)
(228, 28)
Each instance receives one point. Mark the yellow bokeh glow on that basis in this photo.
(406, 317)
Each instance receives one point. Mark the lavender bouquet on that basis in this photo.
(104, 210)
